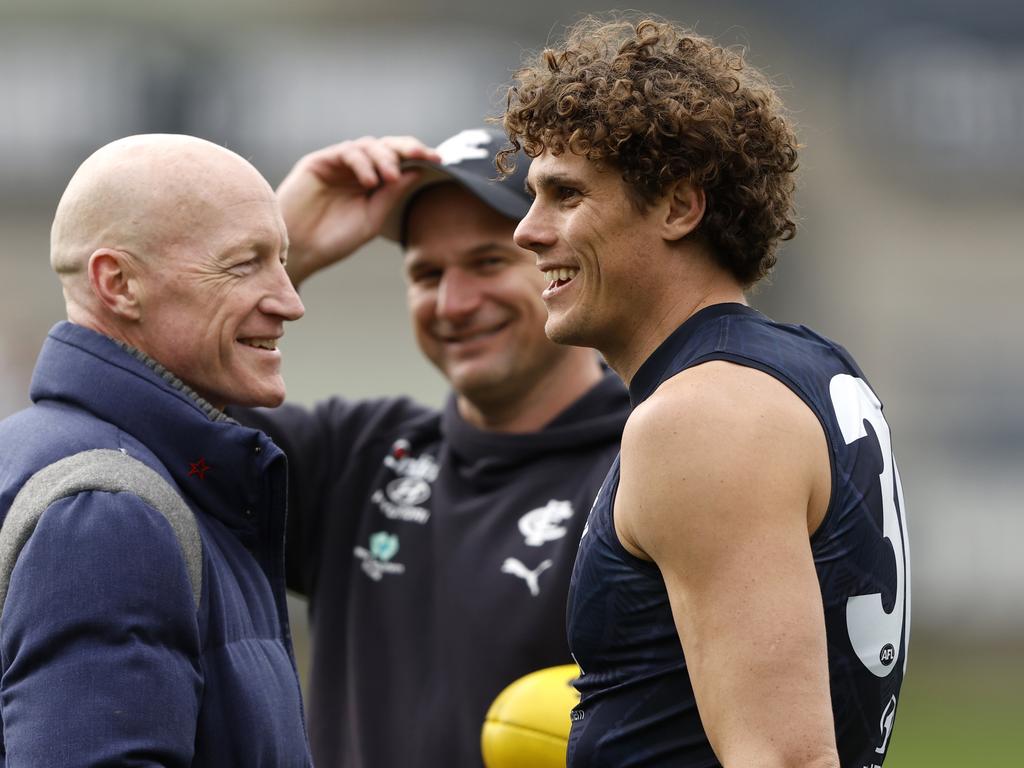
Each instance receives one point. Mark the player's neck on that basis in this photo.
(532, 409)
(665, 316)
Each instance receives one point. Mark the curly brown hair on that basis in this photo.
(660, 103)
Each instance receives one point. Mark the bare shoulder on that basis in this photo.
(717, 442)
(719, 406)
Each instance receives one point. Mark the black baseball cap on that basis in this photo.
(467, 158)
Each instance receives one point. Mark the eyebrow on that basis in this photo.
(415, 259)
(490, 245)
(255, 247)
(548, 180)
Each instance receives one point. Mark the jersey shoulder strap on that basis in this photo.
(98, 470)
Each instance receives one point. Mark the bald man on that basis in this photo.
(141, 570)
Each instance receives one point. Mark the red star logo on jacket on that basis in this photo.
(199, 468)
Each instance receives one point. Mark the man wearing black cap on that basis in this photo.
(436, 547)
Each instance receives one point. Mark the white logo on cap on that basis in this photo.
(466, 145)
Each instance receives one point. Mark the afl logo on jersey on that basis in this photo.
(887, 655)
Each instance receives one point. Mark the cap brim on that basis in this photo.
(493, 193)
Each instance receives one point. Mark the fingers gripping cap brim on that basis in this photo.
(477, 175)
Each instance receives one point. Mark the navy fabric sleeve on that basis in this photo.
(100, 640)
(322, 445)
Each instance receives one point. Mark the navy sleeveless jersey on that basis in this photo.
(637, 706)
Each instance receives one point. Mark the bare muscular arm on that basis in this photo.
(725, 473)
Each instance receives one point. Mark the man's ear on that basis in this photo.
(684, 210)
(113, 279)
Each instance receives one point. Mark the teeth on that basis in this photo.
(260, 343)
(556, 275)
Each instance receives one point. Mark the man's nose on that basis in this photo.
(458, 294)
(534, 232)
(283, 300)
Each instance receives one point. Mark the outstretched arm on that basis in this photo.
(336, 199)
(725, 473)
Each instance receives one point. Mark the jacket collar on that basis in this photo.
(213, 460)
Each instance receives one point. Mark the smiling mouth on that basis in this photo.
(270, 344)
(559, 277)
(467, 338)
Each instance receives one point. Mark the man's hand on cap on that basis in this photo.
(335, 199)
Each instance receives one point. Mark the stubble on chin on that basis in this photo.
(562, 330)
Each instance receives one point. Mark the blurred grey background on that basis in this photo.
(912, 189)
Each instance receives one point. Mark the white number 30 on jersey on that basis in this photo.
(876, 635)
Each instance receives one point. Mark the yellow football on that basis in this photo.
(528, 724)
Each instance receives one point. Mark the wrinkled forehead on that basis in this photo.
(149, 194)
(182, 180)
(218, 179)
(218, 194)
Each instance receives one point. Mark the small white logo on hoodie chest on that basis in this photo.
(544, 524)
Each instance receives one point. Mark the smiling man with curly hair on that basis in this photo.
(740, 596)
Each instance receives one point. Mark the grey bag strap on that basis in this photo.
(97, 470)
